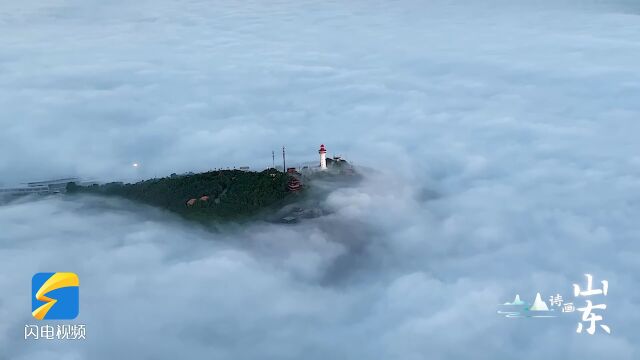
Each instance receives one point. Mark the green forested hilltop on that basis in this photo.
(232, 194)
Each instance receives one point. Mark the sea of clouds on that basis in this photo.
(504, 134)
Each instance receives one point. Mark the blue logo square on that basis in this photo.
(55, 296)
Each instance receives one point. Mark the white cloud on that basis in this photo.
(505, 140)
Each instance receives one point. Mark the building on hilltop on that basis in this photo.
(329, 165)
(336, 161)
(294, 184)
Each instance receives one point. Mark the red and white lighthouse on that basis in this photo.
(323, 157)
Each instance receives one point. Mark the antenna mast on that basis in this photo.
(284, 161)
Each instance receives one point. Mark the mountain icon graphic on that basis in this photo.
(538, 304)
(516, 301)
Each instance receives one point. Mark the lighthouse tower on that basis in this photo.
(323, 157)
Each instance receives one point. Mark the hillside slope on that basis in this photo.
(224, 194)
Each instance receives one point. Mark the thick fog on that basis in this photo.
(504, 138)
